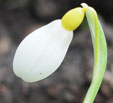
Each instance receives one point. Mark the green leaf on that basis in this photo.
(100, 52)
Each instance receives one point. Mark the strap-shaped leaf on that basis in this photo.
(100, 52)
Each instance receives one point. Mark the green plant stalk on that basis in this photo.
(100, 53)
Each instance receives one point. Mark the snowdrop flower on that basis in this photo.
(43, 51)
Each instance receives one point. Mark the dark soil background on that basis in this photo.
(70, 82)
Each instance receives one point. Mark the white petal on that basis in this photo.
(42, 52)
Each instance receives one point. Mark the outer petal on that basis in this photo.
(42, 52)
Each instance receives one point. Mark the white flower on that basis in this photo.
(42, 52)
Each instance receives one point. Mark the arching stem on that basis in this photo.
(100, 53)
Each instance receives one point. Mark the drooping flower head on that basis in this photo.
(43, 51)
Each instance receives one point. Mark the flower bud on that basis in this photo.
(42, 52)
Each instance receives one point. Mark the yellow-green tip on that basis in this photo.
(73, 18)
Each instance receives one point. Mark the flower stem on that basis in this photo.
(100, 52)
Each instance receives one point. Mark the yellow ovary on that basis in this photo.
(73, 18)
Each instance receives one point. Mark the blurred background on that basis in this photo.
(70, 82)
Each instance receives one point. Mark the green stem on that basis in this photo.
(100, 53)
(92, 91)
